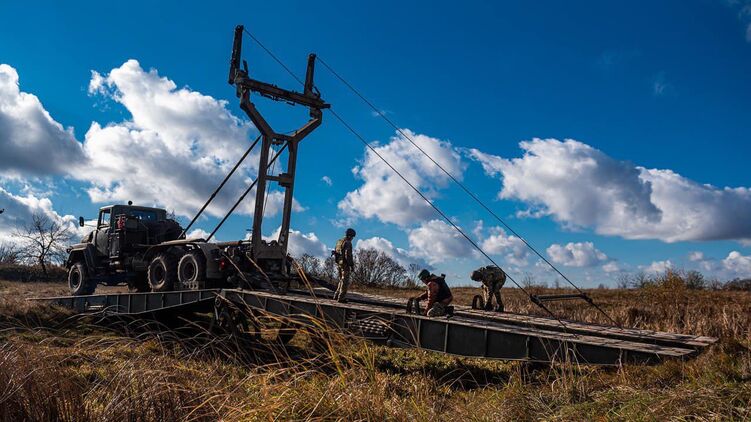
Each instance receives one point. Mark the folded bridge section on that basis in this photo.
(467, 333)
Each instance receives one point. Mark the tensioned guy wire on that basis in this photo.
(454, 179)
(221, 185)
(458, 182)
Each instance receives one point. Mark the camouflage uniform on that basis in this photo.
(493, 279)
(345, 262)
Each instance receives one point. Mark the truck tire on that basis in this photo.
(191, 271)
(139, 283)
(79, 282)
(162, 273)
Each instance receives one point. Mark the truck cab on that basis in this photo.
(118, 225)
(118, 249)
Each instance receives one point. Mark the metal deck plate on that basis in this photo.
(468, 333)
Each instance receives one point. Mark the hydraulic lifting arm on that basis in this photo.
(271, 256)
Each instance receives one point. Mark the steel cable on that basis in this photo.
(445, 217)
(221, 185)
(242, 197)
(459, 183)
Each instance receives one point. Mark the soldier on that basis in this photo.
(492, 278)
(345, 262)
(438, 294)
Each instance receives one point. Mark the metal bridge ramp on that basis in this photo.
(468, 333)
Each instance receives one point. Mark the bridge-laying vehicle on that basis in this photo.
(146, 250)
(242, 281)
(143, 248)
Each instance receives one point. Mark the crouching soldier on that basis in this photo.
(438, 294)
(493, 279)
(345, 263)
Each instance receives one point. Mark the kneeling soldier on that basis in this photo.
(438, 294)
(492, 278)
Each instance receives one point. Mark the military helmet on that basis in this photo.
(423, 274)
(350, 232)
(476, 275)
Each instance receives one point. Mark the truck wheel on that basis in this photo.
(191, 271)
(78, 280)
(162, 274)
(139, 284)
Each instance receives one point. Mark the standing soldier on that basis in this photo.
(345, 262)
(492, 278)
(438, 294)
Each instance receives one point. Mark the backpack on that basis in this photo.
(338, 252)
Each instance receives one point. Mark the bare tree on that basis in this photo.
(528, 280)
(695, 280)
(623, 281)
(642, 280)
(42, 241)
(328, 269)
(310, 264)
(411, 282)
(376, 268)
(9, 254)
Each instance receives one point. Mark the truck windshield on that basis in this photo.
(144, 215)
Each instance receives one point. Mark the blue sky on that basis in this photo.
(654, 95)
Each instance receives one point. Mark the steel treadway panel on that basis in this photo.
(632, 334)
(295, 302)
(134, 303)
(464, 334)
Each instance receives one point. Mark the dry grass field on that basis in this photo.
(54, 366)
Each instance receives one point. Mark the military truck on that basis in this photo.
(143, 248)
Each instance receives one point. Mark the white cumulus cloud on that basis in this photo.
(32, 143)
(175, 149)
(612, 267)
(579, 254)
(734, 265)
(696, 256)
(19, 210)
(198, 234)
(737, 265)
(498, 242)
(580, 186)
(436, 241)
(300, 243)
(659, 267)
(383, 195)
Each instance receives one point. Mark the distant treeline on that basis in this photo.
(30, 273)
(691, 279)
(373, 268)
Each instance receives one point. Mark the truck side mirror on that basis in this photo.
(80, 221)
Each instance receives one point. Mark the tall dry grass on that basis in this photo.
(54, 366)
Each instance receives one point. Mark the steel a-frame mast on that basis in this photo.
(271, 256)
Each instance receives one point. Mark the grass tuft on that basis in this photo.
(55, 366)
